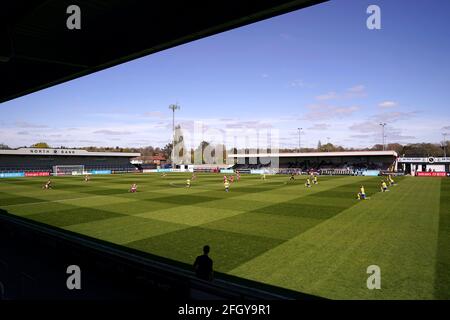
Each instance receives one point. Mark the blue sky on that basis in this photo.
(319, 68)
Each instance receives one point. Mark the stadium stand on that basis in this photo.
(348, 163)
(43, 160)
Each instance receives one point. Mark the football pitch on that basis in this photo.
(317, 240)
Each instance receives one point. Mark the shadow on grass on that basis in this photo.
(180, 269)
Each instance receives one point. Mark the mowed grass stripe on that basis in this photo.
(229, 249)
(442, 281)
(331, 259)
(124, 229)
(72, 216)
(285, 220)
(296, 190)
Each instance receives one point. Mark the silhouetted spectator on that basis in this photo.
(203, 265)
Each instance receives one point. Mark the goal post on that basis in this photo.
(68, 170)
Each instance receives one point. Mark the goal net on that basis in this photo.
(68, 170)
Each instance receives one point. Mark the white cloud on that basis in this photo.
(297, 84)
(360, 136)
(396, 135)
(28, 125)
(371, 131)
(319, 126)
(154, 114)
(388, 104)
(112, 132)
(248, 125)
(357, 91)
(89, 141)
(393, 116)
(328, 96)
(326, 112)
(365, 127)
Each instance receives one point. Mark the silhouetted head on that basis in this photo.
(206, 249)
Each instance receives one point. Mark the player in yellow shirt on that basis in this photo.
(308, 183)
(391, 181)
(315, 181)
(226, 184)
(362, 193)
(188, 183)
(384, 187)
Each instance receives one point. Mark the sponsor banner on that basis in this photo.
(262, 171)
(101, 171)
(124, 171)
(150, 170)
(37, 174)
(226, 171)
(431, 174)
(205, 170)
(129, 171)
(244, 170)
(12, 174)
(164, 170)
(424, 160)
(390, 173)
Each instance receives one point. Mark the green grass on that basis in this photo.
(319, 240)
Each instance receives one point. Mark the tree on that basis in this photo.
(40, 145)
(329, 147)
(422, 150)
(167, 151)
(319, 145)
(397, 147)
(377, 147)
(4, 147)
